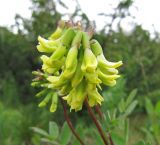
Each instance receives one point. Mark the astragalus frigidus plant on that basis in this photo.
(73, 69)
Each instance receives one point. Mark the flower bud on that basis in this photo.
(103, 76)
(41, 93)
(47, 46)
(45, 100)
(108, 80)
(78, 76)
(56, 81)
(89, 61)
(53, 106)
(96, 47)
(59, 31)
(77, 39)
(71, 60)
(76, 97)
(59, 53)
(47, 64)
(102, 62)
(35, 84)
(92, 78)
(108, 71)
(67, 37)
(94, 97)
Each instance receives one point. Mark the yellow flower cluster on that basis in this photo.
(74, 66)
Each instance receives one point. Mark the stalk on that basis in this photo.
(70, 123)
(97, 108)
(96, 123)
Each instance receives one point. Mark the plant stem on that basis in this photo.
(70, 123)
(96, 122)
(110, 139)
(97, 108)
(99, 112)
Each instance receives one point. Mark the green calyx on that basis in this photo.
(68, 37)
(96, 47)
(73, 67)
(85, 40)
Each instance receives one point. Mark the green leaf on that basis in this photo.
(40, 131)
(108, 116)
(65, 135)
(53, 130)
(131, 107)
(113, 113)
(121, 106)
(106, 122)
(149, 106)
(131, 97)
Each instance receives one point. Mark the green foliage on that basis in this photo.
(10, 124)
(15, 123)
(116, 119)
(53, 136)
(152, 128)
(16, 64)
(65, 134)
(9, 90)
(40, 131)
(116, 123)
(53, 130)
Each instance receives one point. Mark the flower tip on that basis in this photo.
(39, 48)
(40, 38)
(44, 58)
(65, 98)
(120, 63)
(117, 76)
(42, 104)
(53, 108)
(112, 83)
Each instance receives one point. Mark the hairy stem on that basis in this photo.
(96, 122)
(97, 108)
(70, 123)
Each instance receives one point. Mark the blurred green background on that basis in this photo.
(19, 57)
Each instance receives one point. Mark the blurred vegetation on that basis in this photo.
(18, 57)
